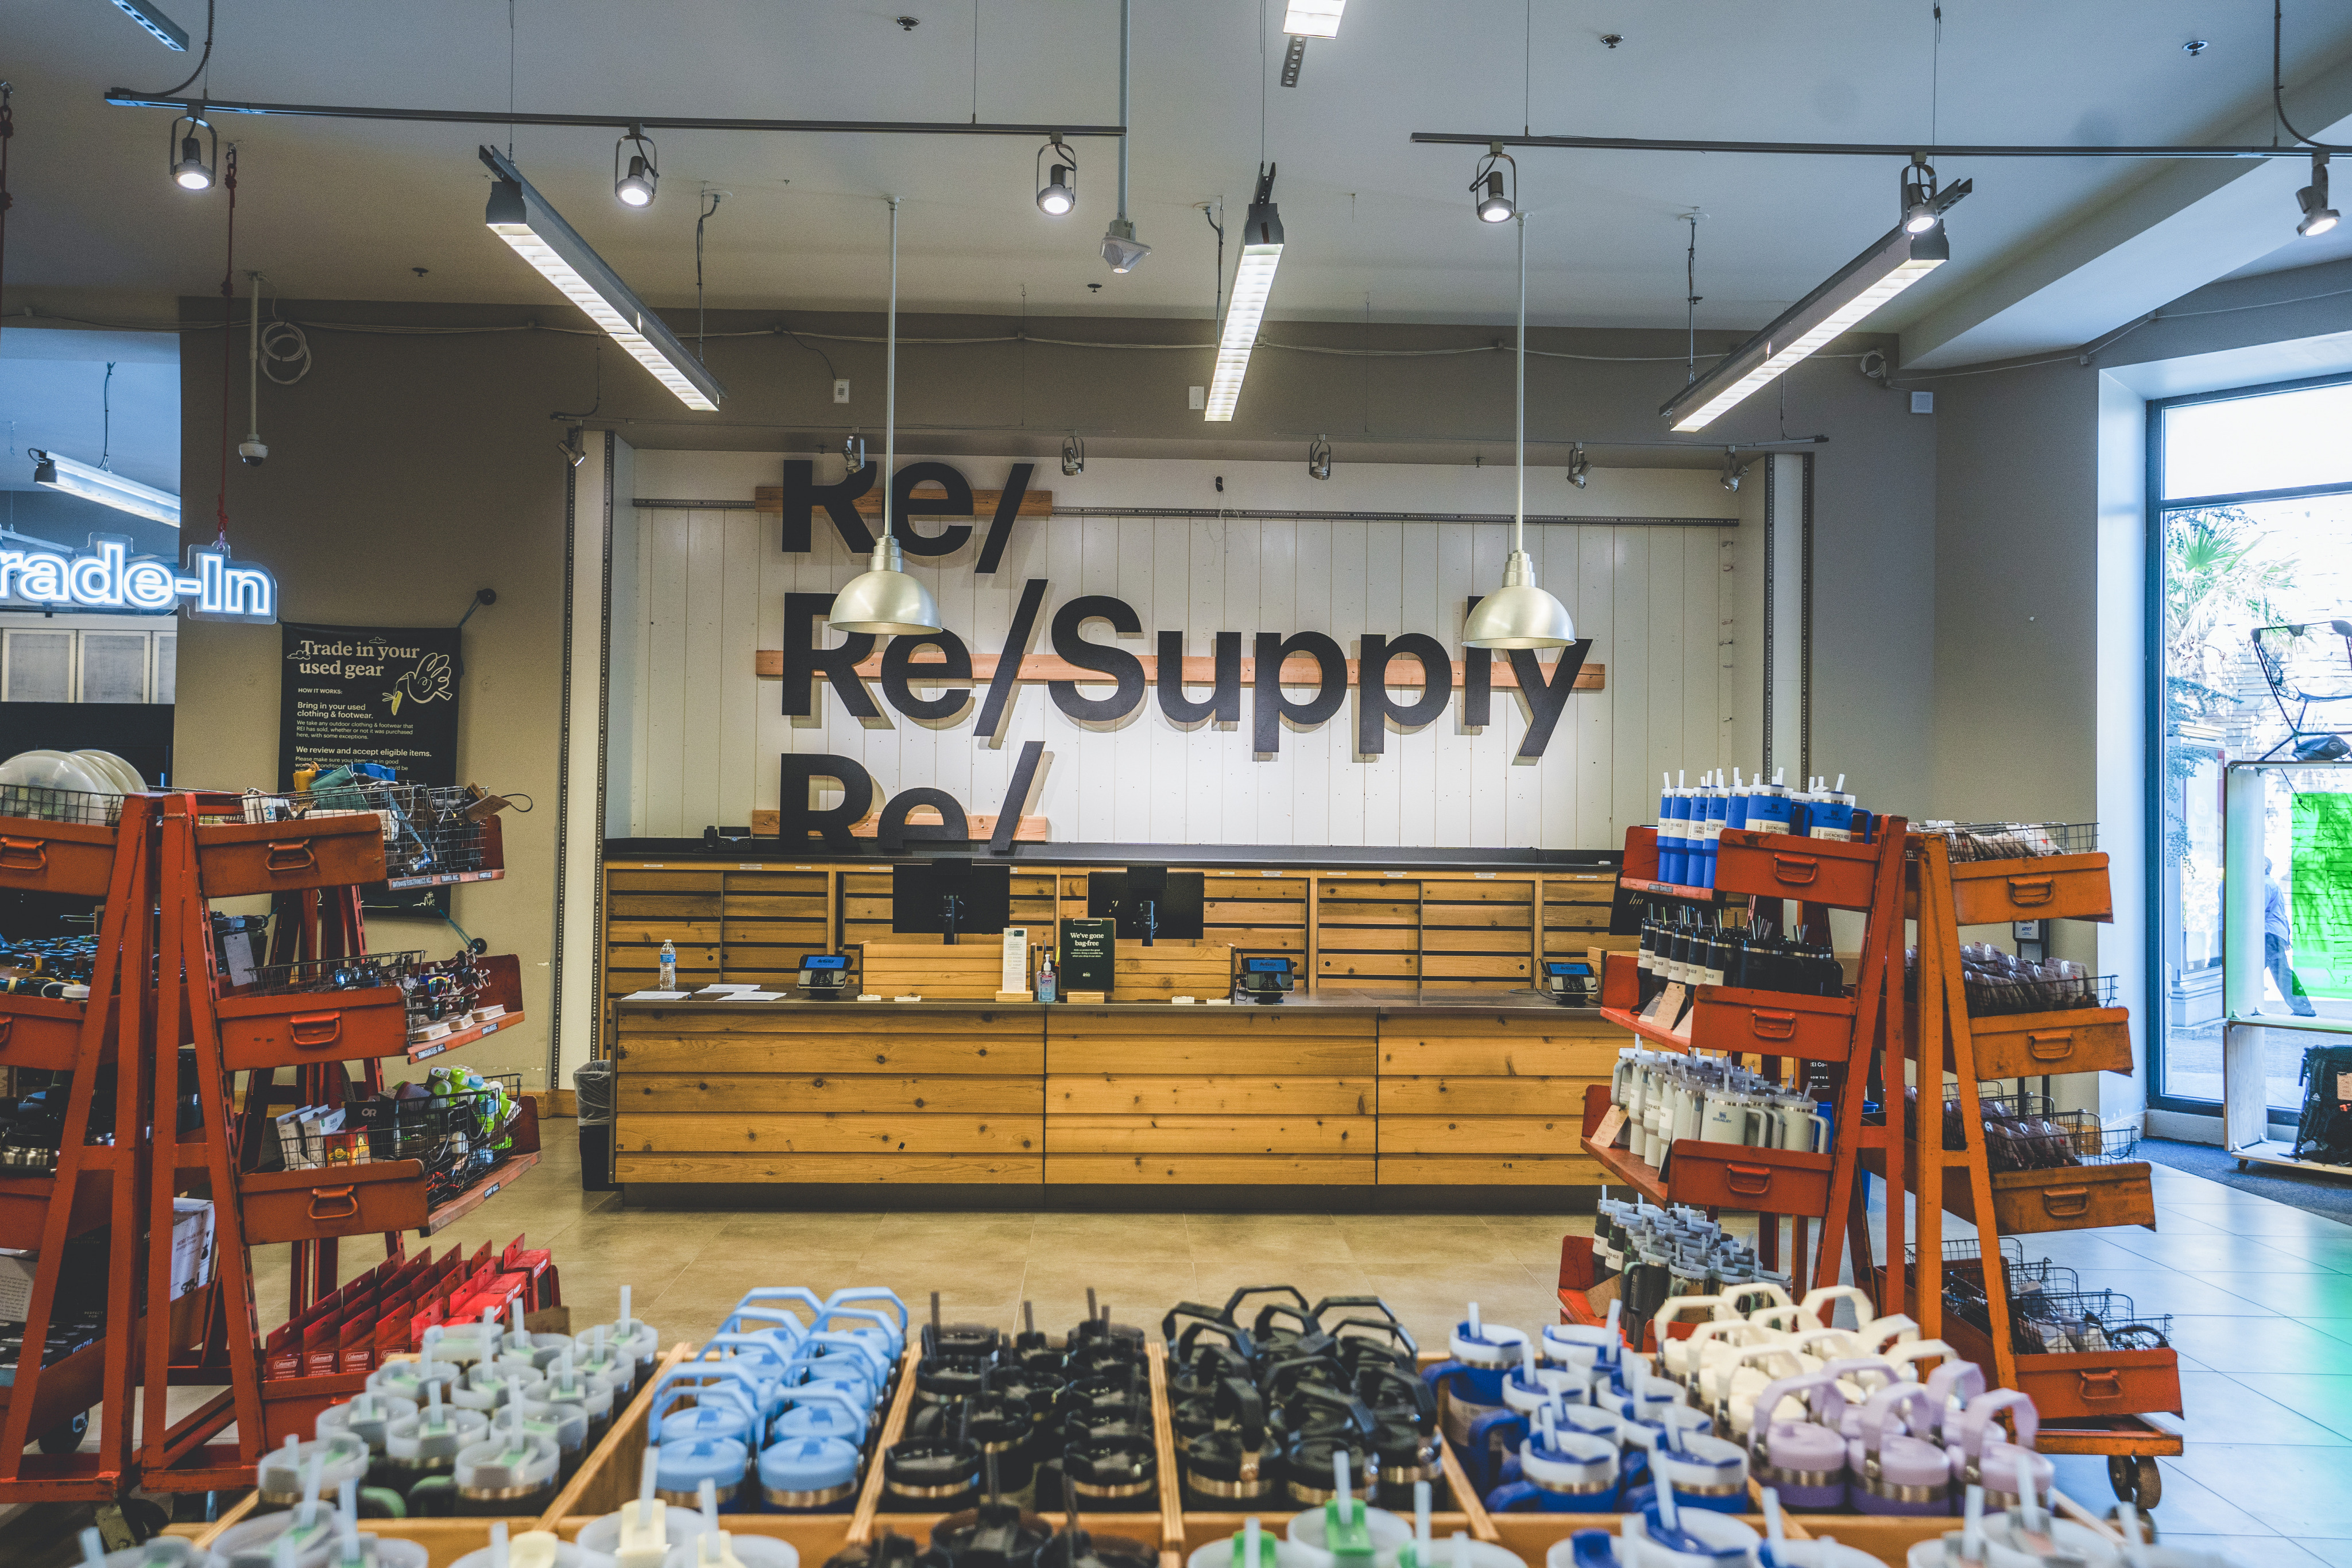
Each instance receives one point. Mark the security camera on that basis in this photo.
(252, 452)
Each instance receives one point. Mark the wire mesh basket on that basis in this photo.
(2026, 1132)
(458, 1129)
(2014, 840)
(429, 830)
(431, 989)
(44, 804)
(2082, 1322)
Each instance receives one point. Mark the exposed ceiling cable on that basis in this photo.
(2278, 84)
(202, 61)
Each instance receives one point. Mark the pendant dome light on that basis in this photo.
(1519, 616)
(884, 599)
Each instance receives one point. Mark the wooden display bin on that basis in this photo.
(339, 1200)
(1836, 872)
(1772, 1023)
(2046, 887)
(45, 1031)
(2076, 1039)
(242, 858)
(302, 1027)
(76, 859)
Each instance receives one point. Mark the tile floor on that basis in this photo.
(2261, 1295)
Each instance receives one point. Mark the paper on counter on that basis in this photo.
(756, 996)
(657, 997)
(723, 990)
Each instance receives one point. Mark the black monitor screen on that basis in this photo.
(1567, 968)
(1266, 965)
(1174, 896)
(919, 894)
(825, 961)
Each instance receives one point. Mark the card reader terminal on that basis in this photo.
(1264, 979)
(824, 976)
(1572, 983)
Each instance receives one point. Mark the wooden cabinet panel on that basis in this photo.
(1331, 911)
(788, 1094)
(769, 1168)
(662, 881)
(1514, 942)
(1223, 1041)
(742, 908)
(1218, 887)
(1504, 1053)
(1502, 890)
(1253, 911)
(1209, 1170)
(662, 906)
(804, 883)
(1482, 1135)
(1471, 917)
(691, 960)
(1368, 938)
(1489, 1170)
(1307, 1134)
(1258, 939)
(828, 1132)
(685, 932)
(1368, 965)
(1211, 1094)
(1465, 1096)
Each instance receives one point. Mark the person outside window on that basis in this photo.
(2278, 938)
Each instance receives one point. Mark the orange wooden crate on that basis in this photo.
(317, 1026)
(1774, 1023)
(38, 856)
(2076, 1039)
(241, 858)
(1836, 872)
(340, 1200)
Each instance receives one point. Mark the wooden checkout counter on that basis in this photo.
(1336, 1087)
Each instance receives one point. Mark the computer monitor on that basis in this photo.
(948, 897)
(1148, 902)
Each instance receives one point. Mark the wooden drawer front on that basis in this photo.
(1119, 1094)
(1259, 938)
(776, 883)
(1489, 1170)
(25, 1203)
(1305, 1133)
(1367, 966)
(2055, 887)
(839, 1040)
(1469, 1097)
(324, 1025)
(1816, 870)
(40, 1031)
(740, 1094)
(1774, 1023)
(283, 857)
(76, 858)
(1218, 887)
(2080, 1039)
(726, 1131)
(828, 1170)
(349, 1200)
(2104, 1383)
(1476, 966)
(745, 906)
(1500, 1046)
(704, 881)
(1764, 1181)
(1209, 1170)
(1481, 1135)
(638, 930)
(662, 908)
(1260, 1042)
(2089, 1197)
(1497, 890)
(637, 956)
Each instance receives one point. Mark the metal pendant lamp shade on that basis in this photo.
(1520, 614)
(882, 598)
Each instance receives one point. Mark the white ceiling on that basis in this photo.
(338, 209)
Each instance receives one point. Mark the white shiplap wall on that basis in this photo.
(1665, 606)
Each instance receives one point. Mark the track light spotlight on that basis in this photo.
(1919, 213)
(853, 454)
(191, 169)
(1074, 457)
(1122, 248)
(1732, 472)
(1579, 467)
(2318, 217)
(635, 188)
(1487, 186)
(1058, 190)
(1318, 457)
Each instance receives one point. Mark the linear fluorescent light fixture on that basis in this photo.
(519, 215)
(1253, 281)
(69, 477)
(1300, 19)
(165, 31)
(1890, 266)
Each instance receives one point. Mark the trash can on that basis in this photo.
(593, 1085)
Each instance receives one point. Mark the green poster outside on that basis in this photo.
(2323, 894)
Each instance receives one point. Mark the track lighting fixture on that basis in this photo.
(1487, 186)
(162, 28)
(107, 488)
(1122, 248)
(1318, 457)
(2318, 217)
(1579, 467)
(853, 454)
(1058, 190)
(1246, 307)
(635, 188)
(1732, 471)
(1918, 196)
(1074, 457)
(192, 170)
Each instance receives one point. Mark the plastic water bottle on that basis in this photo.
(668, 966)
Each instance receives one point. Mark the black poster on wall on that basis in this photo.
(369, 694)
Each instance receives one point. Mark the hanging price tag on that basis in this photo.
(1613, 1126)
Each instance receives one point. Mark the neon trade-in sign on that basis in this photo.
(105, 579)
